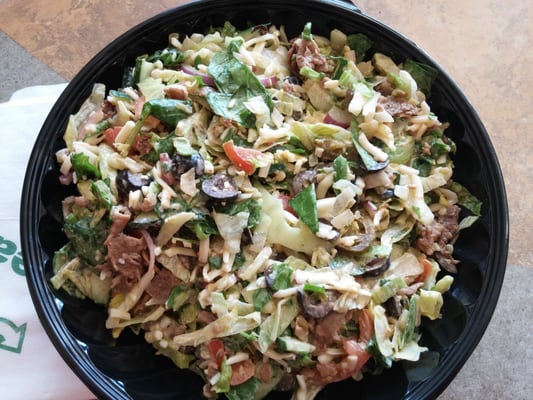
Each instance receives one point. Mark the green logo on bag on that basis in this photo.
(7, 249)
(11, 336)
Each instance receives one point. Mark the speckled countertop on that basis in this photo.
(486, 47)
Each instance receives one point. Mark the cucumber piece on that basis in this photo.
(388, 289)
(288, 343)
(142, 70)
(145, 220)
(405, 145)
(103, 193)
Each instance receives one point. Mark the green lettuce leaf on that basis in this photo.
(83, 166)
(244, 391)
(304, 204)
(360, 43)
(169, 111)
(423, 74)
(236, 84)
(467, 199)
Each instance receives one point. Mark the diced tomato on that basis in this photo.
(110, 134)
(241, 372)
(285, 201)
(152, 121)
(428, 268)
(366, 326)
(139, 104)
(353, 348)
(216, 351)
(357, 348)
(242, 157)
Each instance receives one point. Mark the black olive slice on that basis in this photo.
(220, 187)
(127, 182)
(181, 164)
(315, 305)
(377, 266)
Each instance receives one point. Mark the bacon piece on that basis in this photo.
(305, 53)
(434, 238)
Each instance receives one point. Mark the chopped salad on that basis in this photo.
(272, 213)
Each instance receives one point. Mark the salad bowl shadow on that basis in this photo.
(128, 368)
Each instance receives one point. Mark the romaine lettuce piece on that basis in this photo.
(81, 281)
(274, 325)
(423, 74)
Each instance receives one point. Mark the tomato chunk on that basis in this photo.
(428, 269)
(216, 351)
(110, 134)
(285, 201)
(243, 158)
(241, 372)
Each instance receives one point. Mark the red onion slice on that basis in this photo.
(339, 117)
(208, 80)
(267, 81)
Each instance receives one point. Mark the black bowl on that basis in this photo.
(128, 368)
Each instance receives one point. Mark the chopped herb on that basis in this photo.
(423, 164)
(103, 193)
(261, 298)
(340, 167)
(170, 57)
(244, 391)
(308, 287)
(215, 262)
(341, 63)
(160, 145)
(306, 33)
(169, 111)
(310, 73)
(282, 274)
(236, 84)
(239, 261)
(203, 226)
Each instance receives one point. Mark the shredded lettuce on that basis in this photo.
(430, 303)
(298, 238)
(227, 325)
(274, 325)
(84, 281)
